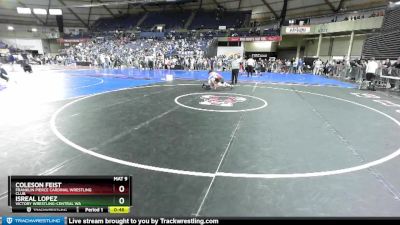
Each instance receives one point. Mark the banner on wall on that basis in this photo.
(323, 28)
(260, 55)
(298, 29)
(228, 51)
(79, 40)
(266, 38)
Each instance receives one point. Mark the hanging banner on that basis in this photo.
(257, 55)
(79, 40)
(298, 30)
(266, 38)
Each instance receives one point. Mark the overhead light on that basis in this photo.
(34, 29)
(10, 28)
(40, 11)
(21, 10)
(55, 12)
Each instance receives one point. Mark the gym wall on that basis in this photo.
(334, 47)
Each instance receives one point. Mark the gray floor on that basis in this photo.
(298, 132)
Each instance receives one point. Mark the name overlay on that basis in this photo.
(13, 220)
(90, 194)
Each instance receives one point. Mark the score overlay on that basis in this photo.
(86, 194)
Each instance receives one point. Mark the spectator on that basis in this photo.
(371, 70)
(250, 66)
(396, 72)
(3, 73)
(11, 59)
(387, 65)
(318, 65)
(300, 65)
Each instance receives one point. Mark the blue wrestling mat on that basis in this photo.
(119, 78)
(74, 83)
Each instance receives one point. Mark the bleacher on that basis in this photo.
(392, 20)
(205, 20)
(271, 32)
(175, 20)
(214, 19)
(122, 22)
(171, 20)
(385, 44)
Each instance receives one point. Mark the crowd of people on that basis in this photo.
(187, 53)
(359, 69)
(190, 53)
(357, 16)
(362, 16)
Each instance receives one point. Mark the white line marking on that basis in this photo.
(265, 104)
(187, 84)
(63, 99)
(119, 161)
(155, 118)
(219, 165)
(223, 174)
(124, 133)
(387, 103)
(364, 95)
(47, 172)
(255, 86)
(125, 101)
(222, 159)
(90, 85)
(58, 166)
(294, 84)
(3, 195)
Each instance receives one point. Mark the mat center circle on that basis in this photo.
(221, 102)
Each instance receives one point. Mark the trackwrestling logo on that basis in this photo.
(21, 220)
(223, 101)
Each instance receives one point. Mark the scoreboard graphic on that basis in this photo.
(74, 194)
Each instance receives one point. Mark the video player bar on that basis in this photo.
(61, 209)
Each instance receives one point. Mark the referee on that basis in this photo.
(235, 65)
